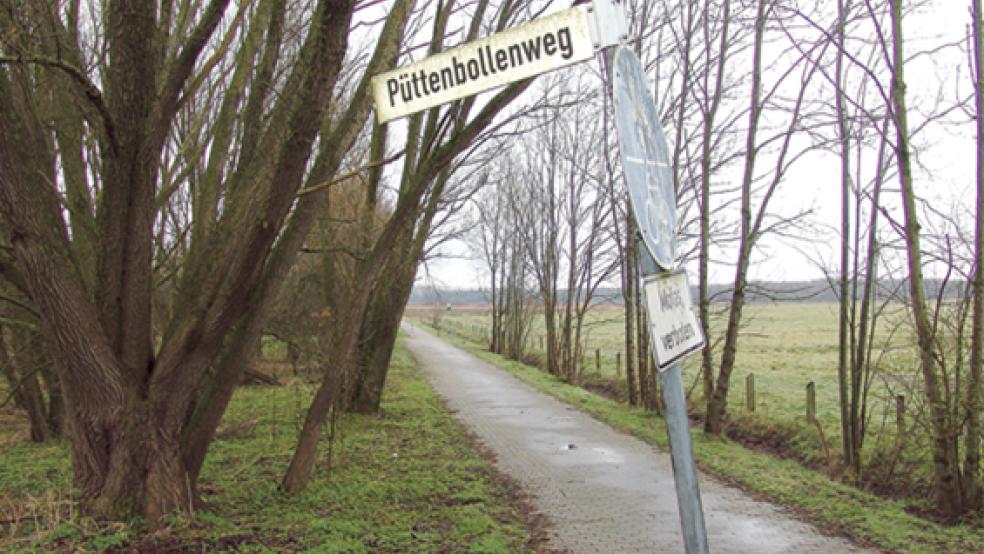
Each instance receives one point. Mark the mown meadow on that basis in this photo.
(786, 346)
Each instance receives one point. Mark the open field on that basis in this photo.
(404, 481)
(786, 346)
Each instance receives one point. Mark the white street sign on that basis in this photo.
(542, 45)
(674, 328)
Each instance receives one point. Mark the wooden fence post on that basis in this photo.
(597, 360)
(811, 402)
(750, 392)
(618, 364)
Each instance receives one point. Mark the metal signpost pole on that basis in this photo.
(684, 468)
(677, 426)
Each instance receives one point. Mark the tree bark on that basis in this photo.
(843, 320)
(127, 409)
(629, 276)
(973, 495)
(378, 335)
(212, 402)
(26, 393)
(946, 471)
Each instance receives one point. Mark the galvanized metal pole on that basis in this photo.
(681, 448)
(684, 468)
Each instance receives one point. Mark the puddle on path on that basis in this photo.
(589, 455)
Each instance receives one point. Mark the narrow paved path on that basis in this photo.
(603, 490)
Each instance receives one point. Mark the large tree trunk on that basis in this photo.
(218, 391)
(946, 470)
(131, 464)
(126, 410)
(973, 495)
(378, 337)
(381, 323)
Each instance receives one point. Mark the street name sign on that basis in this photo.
(645, 158)
(674, 328)
(542, 45)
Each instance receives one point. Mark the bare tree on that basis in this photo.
(973, 495)
(857, 321)
(498, 243)
(753, 221)
(142, 406)
(456, 135)
(946, 469)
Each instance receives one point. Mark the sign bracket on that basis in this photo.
(607, 23)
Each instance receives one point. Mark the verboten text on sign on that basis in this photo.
(539, 46)
(675, 329)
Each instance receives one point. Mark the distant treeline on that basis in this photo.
(816, 291)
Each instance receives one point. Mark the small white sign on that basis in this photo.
(539, 46)
(673, 326)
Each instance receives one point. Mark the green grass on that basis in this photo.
(786, 346)
(830, 505)
(407, 480)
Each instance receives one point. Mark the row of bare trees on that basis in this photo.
(162, 167)
(756, 96)
(827, 89)
(541, 226)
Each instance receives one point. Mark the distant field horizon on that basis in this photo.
(817, 291)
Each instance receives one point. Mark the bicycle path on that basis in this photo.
(604, 491)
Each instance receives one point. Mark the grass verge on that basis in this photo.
(406, 480)
(833, 507)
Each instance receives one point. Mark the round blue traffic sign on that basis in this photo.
(645, 158)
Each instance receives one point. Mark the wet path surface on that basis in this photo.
(604, 491)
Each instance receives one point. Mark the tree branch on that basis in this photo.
(89, 89)
(168, 103)
(336, 180)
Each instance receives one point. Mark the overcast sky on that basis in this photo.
(946, 154)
